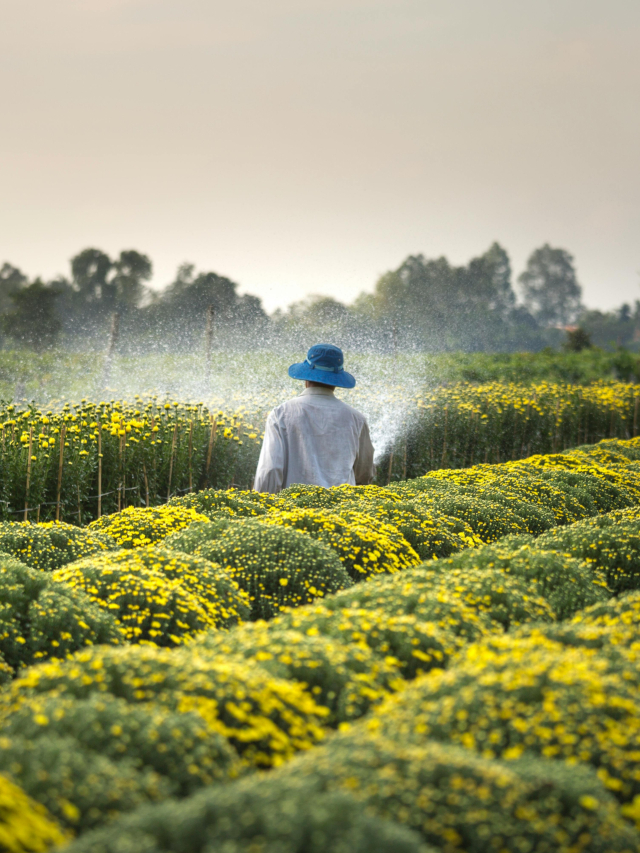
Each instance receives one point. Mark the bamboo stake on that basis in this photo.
(63, 431)
(173, 451)
(146, 481)
(390, 467)
(99, 470)
(79, 509)
(444, 441)
(26, 496)
(190, 453)
(209, 341)
(212, 436)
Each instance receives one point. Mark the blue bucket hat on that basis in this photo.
(323, 364)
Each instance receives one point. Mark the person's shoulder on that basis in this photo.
(355, 413)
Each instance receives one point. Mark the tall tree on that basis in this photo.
(33, 322)
(90, 273)
(11, 280)
(550, 287)
(132, 269)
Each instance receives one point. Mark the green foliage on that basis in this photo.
(415, 645)
(567, 584)
(40, 618)
(216, 503)
(266, 719)
(81, 789)
(276, 566)
(430, 535)
(26, 826)
(51, 545)
(504, 599)
(508, 696)
(346, 679)
(157, 595)
(457, 800)
(609, 542)
(135, 527)
(411, 593)
(155, 752)
(365, 547)
(33, 322)
(254, 818)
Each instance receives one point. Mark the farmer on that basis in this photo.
(316, 438)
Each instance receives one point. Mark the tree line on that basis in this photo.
(424, 304)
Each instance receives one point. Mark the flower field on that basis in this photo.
(444, 663)
(78, 462)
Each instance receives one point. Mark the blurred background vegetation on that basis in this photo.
(425, 305)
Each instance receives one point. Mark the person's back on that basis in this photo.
(315, 438)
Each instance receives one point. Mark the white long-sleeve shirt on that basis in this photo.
(316, 439)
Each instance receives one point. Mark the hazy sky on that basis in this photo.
(302, 146)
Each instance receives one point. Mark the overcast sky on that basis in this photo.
(306, 146)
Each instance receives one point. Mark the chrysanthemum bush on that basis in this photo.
(459, 801)
(266, 719)
(158, 595)
(25, 825)
(346, 679)
(365, 547)
(81, 789)
(415, 645)
(567, 584)
(609, 542)
(135, 527)
(623, 612)
(508, 696)
(502, 598)
(429, 534)
(91, 758)
(219, 503)
(412, 593)
(50, 545)
(302, 496)
(257, 818)
(277, 566)
(40, 618)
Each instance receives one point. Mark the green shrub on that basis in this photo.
(136, 527)
(609, 542)
(173, 752)
(346, 679)
(254, 818)
(566, 583)
(489, 520)
(503, 599)
(515, 481)
(509, 696)
(158, 595)
(191, 538)
(417, 646)
(366, 547)
(459, 801)
(429, 534)
(409, 594)
(277, 566)
(50, 545)
(26, 826)
(80, 789)
(619, 613)
(266, 719)
(219, 503)
(40, 618)
(300, 496)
